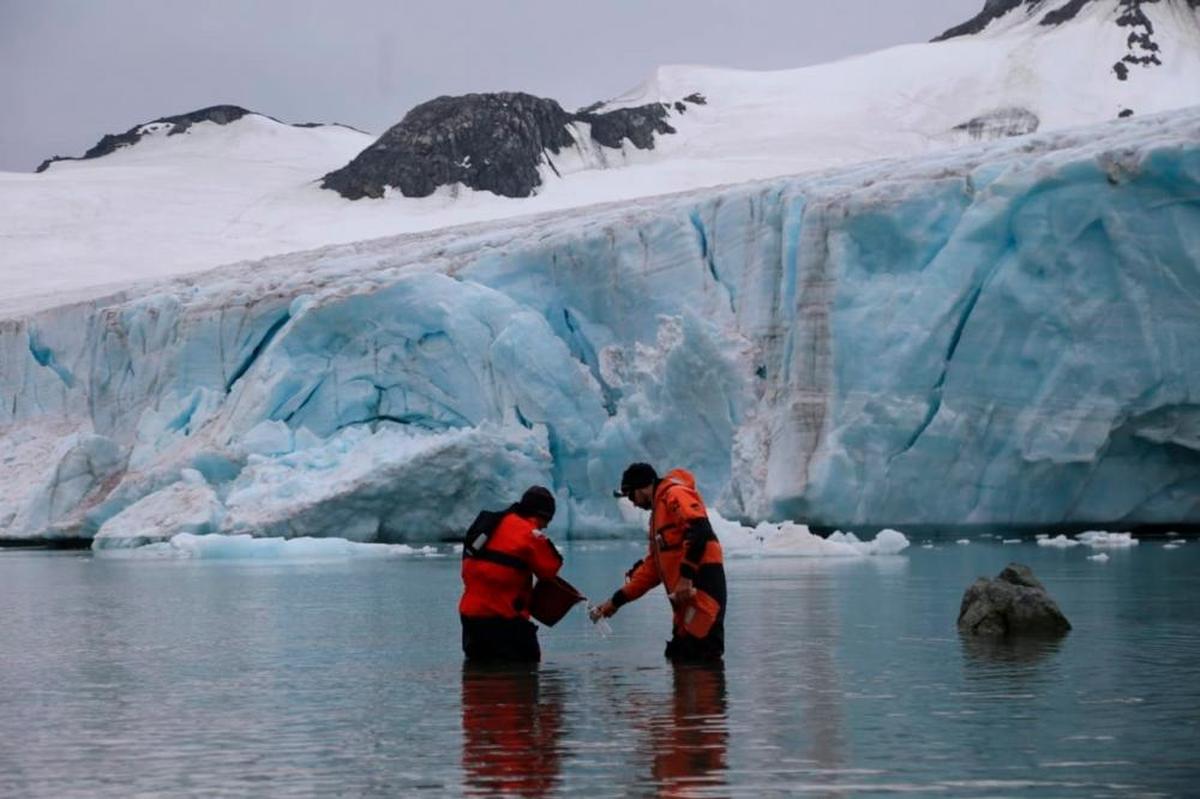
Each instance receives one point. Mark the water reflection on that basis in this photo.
(688, 740)
(1003, 670)
(820, 677)
(512, 720)
(1006, 653)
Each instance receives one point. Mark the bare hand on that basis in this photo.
(602, 611)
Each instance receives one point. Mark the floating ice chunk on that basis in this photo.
(926, 546)
(792, 539)
(1173, 545)
(1012, 541)
(246, 547)
(886, 542)
(1093, 538)
(963, 541)
(1101, 540)
(1060, 541)
(1099, 558)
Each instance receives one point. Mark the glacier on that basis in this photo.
(1004, 334)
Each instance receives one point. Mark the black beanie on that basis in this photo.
(537, 501)
(638, 475)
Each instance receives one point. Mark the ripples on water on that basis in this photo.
(843, 678)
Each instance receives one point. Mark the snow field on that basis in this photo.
(247, 190)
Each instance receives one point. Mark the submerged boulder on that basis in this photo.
(1013, 604)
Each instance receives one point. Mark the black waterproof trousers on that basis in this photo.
(500, 640)
(684, 648)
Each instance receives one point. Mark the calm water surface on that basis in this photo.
(843, 678)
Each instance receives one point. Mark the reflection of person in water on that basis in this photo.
(688, 745)
(512, 720)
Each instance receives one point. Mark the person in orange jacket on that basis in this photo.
(502, 553)
(684, 555)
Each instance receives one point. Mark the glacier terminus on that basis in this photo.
(1003, 334)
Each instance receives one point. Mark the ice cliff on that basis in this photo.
(1005, 334)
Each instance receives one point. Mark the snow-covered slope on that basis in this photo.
(216, 194)
(1003, 334)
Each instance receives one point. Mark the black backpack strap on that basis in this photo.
(475, 542)
(480, 532)
(512, 561)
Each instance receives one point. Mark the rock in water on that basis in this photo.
(1013, 604)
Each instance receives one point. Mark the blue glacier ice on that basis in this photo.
(1007, 334)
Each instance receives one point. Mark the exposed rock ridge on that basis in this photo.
(992, 11)
(490, 142)
(179, 123)
(1132, 16)
(1142, 49)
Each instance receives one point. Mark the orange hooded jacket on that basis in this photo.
(681, 542)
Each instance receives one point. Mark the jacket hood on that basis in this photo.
(679, 476)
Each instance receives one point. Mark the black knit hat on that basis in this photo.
(537, 501)
(638, 475)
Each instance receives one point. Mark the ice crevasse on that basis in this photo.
(1007, 334)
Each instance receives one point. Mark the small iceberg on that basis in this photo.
(1102, 540)
(1095, 539)
(791, 539)
(1059, 541)
(247, 547)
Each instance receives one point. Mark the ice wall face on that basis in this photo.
(1063, 312)
(1004, 335)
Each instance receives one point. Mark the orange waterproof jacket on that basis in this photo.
(503, 589)
(681, 542)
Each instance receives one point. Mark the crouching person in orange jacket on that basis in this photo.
(502, 553)
(684, 555)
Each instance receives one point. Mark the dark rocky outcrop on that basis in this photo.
(489, 142)
(1013, 604)
(111, 142)
(1064, 13)
(636, 124)
(995, 9)
(1142, 49)
(992, 11)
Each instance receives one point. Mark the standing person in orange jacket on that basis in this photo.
(684, 555)
(502, 553)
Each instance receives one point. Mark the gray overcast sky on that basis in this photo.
(72, 70)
